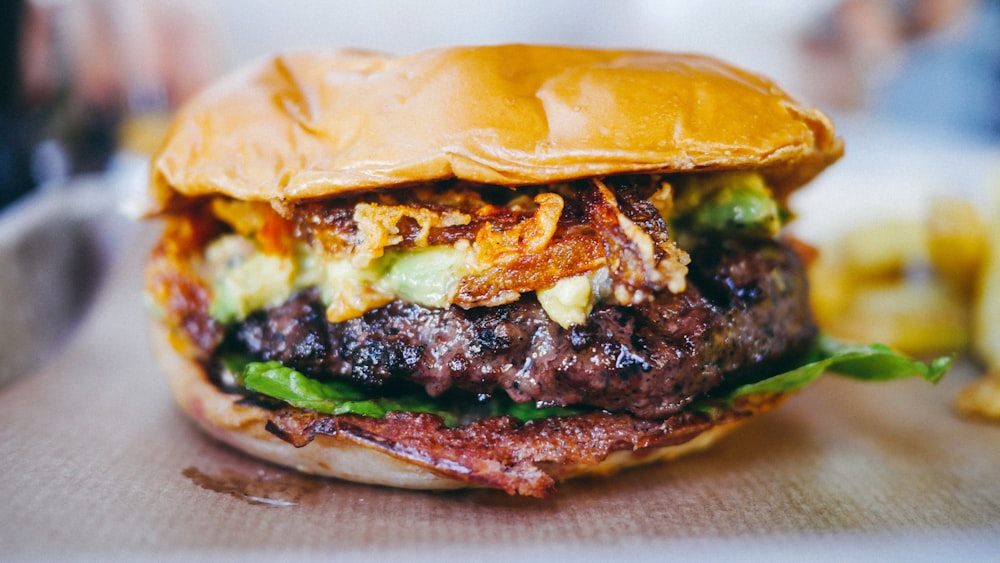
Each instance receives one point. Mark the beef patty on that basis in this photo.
(744, 314)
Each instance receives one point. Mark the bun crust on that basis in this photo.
(321, 123)
(242, 426)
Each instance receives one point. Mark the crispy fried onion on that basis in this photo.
(640, 255)
(567, 255)
(524, 458)
(510, 260)
(521, 240)
(378, 227)
(530, 236)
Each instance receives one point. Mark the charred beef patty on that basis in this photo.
(746, 304)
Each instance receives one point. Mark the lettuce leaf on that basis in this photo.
(872, 362)
(345, 397)
(329, 397)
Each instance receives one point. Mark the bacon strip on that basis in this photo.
(524, 458)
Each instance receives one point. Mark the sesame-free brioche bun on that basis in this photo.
(315, 124)
(230, 419)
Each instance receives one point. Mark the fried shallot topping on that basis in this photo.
(639, 252)
(522, 240)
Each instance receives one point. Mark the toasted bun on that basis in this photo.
(315, 124)
(242, 426)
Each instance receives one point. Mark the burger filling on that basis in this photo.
(645, 295)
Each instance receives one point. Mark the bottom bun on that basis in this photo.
(243, 425)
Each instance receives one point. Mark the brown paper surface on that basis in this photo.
(96, 463)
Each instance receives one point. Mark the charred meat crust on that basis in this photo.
(746, 304)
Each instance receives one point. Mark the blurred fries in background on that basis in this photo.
(926, 285)
(987, 303)
(982, 397)
(906, 283)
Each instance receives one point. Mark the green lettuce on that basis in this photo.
(346, 397)
(868, 362)
(871, 362)
(329, 397)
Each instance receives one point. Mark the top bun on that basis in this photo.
(314, 124)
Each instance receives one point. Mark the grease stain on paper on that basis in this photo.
(268, 488)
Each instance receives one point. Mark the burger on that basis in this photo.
(497, 266)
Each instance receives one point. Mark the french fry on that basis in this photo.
(957, 240)
(830, 289)
(987, 303)
(884, 250)
(982, 397)
(877, 284)
(919, 317)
